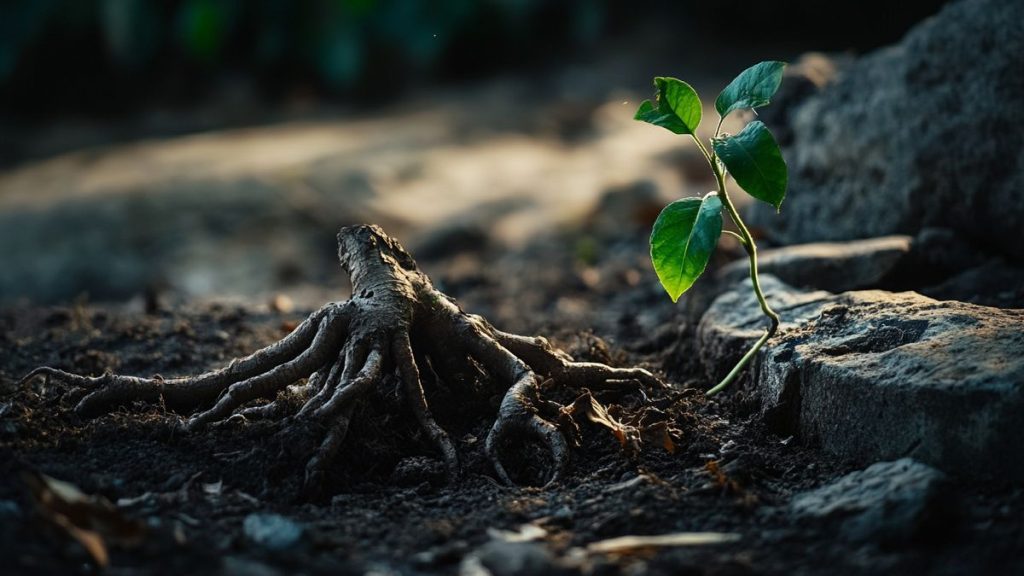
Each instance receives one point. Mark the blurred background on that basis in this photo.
(190, 148)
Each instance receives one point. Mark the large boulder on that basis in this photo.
(923, 133)
(873, 375)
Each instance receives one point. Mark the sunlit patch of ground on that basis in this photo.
(249, 211)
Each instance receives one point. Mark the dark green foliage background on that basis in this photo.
(110, 56)
(97, 54)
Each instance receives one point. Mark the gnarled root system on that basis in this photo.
(394, 323)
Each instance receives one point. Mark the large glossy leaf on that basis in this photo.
(754, 87)
(754, 160)
(684, 236)
(678, 107)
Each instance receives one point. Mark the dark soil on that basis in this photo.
(389, 509)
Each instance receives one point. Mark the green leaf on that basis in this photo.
(684, 236)
(755, 162)
(754, 87)
(678, 107)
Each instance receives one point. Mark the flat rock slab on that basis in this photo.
(896, 501)
(873, 375)
(833, 266)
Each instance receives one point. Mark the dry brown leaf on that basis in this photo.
(720, 479)
(91, 541)
(90, 520)
(659, 433)
(628, 436)
(595, 412)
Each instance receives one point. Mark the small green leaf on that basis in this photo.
(678, 107)
(754, 160)
(754, 87)
(684, 236)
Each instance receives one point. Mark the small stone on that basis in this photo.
(889, 502)
(502, 558)
(272, 531)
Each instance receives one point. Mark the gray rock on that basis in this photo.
(943, 251)
(730, 324)
(272, 531)
(502, 558)
(873, 375)
(937, 263)
(832, 266)
(890, 502)
(992, 283)
(923, 133)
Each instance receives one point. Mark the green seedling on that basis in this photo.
(687, 230)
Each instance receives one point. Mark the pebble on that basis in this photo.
(272, 531)
(514, 558)
(897, 501)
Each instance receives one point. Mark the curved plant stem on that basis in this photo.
(748, 244)
(735, 235)
(738, 368)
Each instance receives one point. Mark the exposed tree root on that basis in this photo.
(396, 322)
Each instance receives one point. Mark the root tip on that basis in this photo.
(41, 371)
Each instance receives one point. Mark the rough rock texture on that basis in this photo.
(833, 266)
(874, 375)
(891, 502)
(923, 133)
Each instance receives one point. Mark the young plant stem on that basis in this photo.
(736, 236)
(751, 248)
